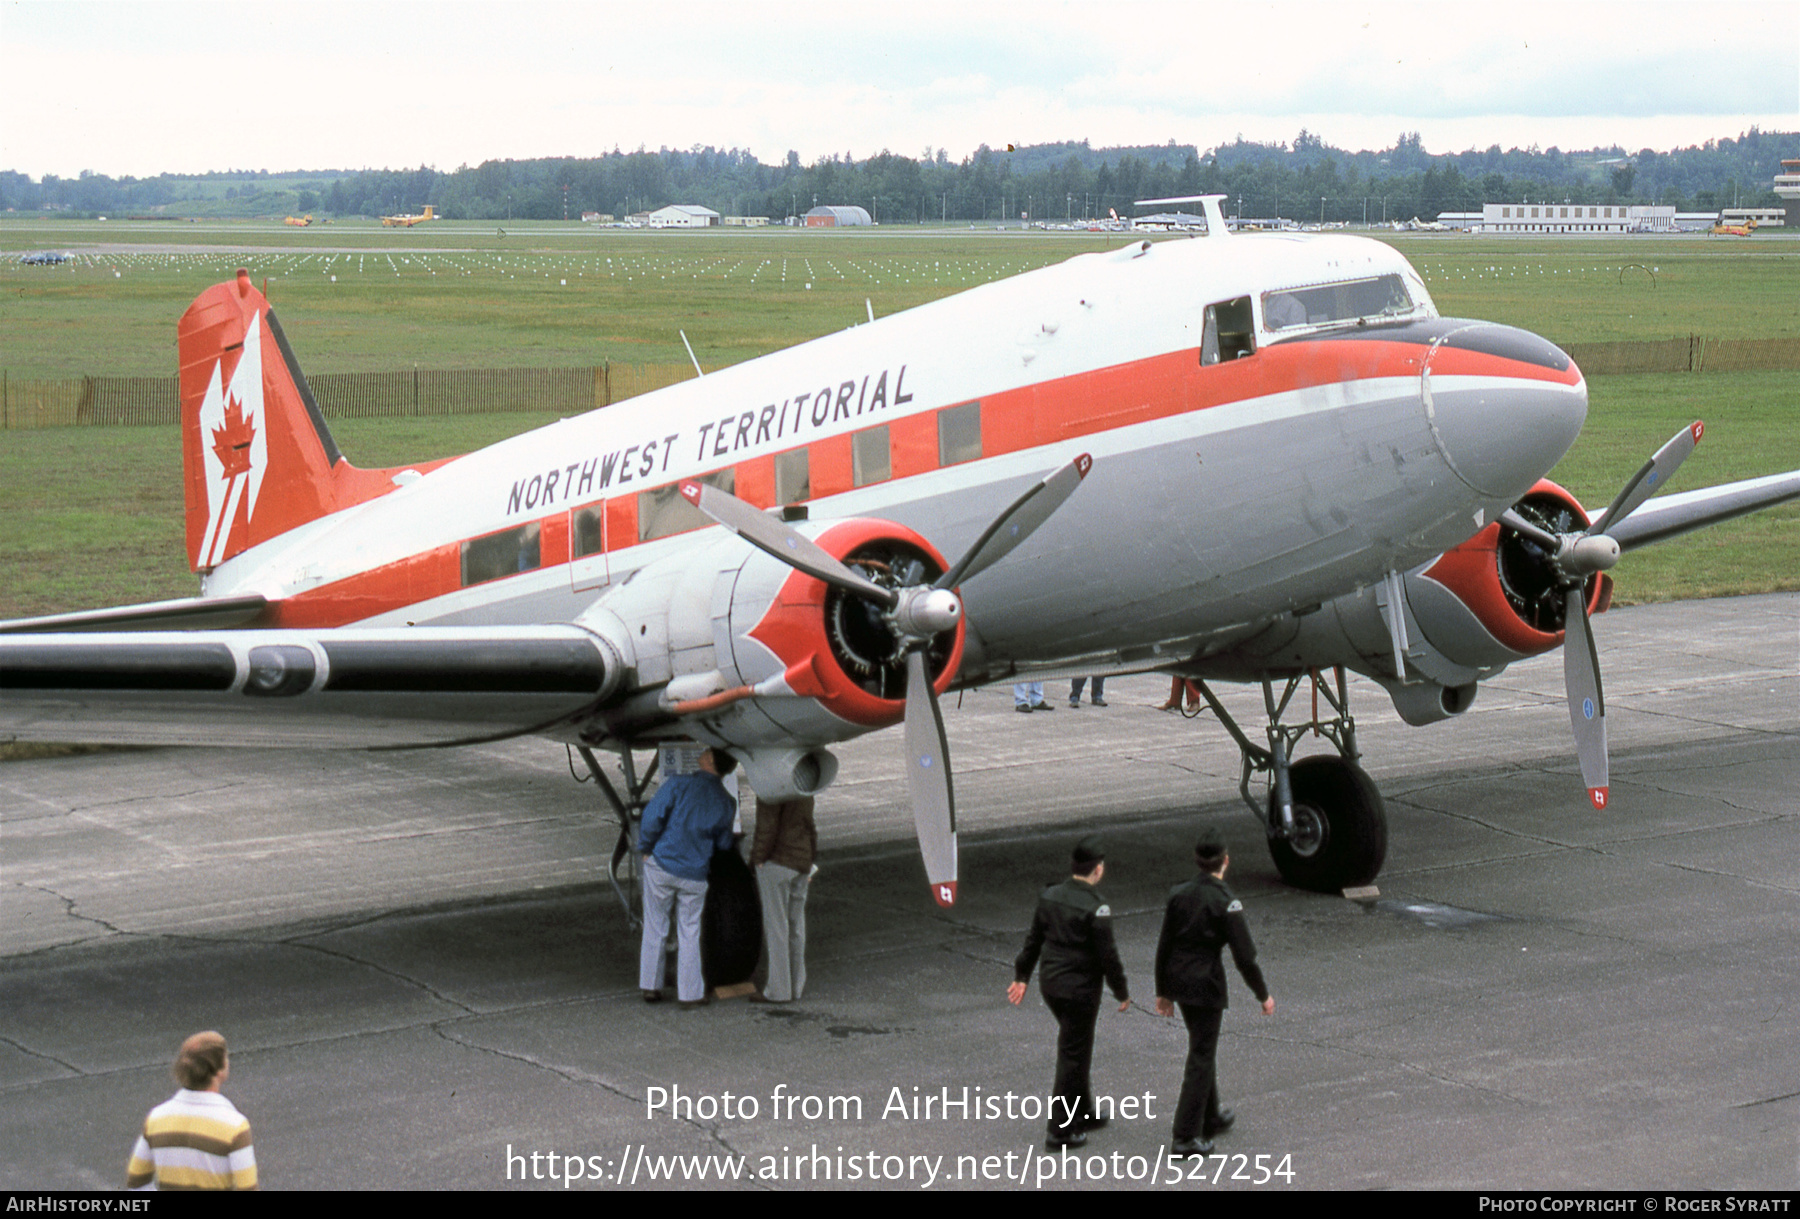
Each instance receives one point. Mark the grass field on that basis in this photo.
(94, 514)
(361, 298)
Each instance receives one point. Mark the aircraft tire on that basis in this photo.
(731, 935)
(1341, 822)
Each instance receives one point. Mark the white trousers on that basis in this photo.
(663, 890)
(783, 893)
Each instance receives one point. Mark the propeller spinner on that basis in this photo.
(1575, 556)
(916, 614)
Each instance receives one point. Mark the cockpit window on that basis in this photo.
(1228, 333)
(1381, 296)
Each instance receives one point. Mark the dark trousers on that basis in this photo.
(1075, 1020)
(1197, 1112)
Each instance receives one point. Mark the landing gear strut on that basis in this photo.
(1325, 819)
(629, 810)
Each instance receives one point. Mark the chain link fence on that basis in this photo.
(1696, 353)
(138, 401)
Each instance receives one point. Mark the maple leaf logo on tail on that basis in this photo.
(238, 456)
(231, 442)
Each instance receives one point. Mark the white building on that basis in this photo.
(683, 216)
(1576, 218)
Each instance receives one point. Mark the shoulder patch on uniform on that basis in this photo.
(1104, 911)
(1236, 907)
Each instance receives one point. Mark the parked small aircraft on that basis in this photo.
(409, 219)
(1242, 458)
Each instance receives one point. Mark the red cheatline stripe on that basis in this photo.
(1067, 408)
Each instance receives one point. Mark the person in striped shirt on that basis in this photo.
(196, 1139)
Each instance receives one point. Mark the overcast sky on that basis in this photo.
(142, 88)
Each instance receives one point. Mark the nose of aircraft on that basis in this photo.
(1504, 405)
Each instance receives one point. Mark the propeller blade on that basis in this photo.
(1018, 522)
(1518, 524)
(1654, 473)
(1587, 705)
(774, 537)
(928, 778)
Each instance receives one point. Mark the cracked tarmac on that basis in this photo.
(420, 966)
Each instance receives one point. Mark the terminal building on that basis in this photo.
(1787, 187)
(1576, 218)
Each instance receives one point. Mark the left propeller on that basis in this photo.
(1572, 558)
(916, 614)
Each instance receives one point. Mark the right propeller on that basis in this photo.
(1572, 558)
(916, 614)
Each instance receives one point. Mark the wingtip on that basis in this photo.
(690, 491)
(944, 891)
(1599, 796)
(1698, 428)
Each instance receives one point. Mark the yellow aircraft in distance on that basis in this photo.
(406, 222)
(299, 222)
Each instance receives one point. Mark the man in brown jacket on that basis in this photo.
(782, 854)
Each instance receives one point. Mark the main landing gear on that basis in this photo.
(730, 926)
(1325, 819)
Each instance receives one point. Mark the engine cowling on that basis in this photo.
(1506, 584)
(736, 648)
(1468, 614)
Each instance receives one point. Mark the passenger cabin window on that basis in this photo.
(589, 536)
(1380, 296)
(1229, 333)
(506, 553)
(662, 511)
(793, 481)
(870, 461)
(959, 433)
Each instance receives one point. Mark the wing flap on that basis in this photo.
(182, 614)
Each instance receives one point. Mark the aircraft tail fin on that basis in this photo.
(257, 458)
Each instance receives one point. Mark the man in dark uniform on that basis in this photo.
(1202, 919)
(1072, 930)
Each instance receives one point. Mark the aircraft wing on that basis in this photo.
(1670, 516)
(328, 688)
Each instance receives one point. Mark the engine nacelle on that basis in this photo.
(783, 774)
(735, 648)
(1468, 614)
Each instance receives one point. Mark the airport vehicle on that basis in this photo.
(1240, 458)
(44, 258)
(408, 220)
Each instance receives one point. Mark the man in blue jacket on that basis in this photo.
(688, 819)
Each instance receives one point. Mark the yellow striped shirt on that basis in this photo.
(193, 1140)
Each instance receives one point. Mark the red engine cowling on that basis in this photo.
(852, 660)
(750, 653)
(1506, 581)
(1470, 613)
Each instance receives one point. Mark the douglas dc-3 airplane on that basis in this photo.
(1241, 458)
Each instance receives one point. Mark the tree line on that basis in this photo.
(1306, 180)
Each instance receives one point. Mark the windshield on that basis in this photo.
(1380, 296)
